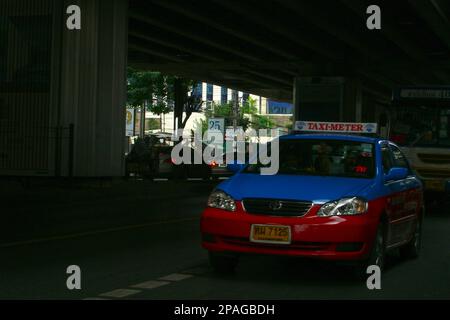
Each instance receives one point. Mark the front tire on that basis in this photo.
(377, 255)
(223, 263)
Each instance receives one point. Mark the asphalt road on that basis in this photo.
(144, 243)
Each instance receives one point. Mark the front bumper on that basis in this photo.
(332, 238)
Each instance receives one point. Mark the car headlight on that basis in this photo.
(343, 207)
(220, 200)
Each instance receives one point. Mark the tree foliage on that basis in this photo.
(191, 104)
(140, 87)
(248, 116)
(158, 90)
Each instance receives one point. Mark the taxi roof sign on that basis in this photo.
(336, 127)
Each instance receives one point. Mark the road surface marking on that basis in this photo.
(120, 293)
(176, 277)
(196, 270)
(152, 284)
(95, 232)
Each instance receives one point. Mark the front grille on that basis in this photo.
(433, 173)
(277, 207)
(434, 158)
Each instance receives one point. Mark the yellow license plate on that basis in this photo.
(435, 185)
(263, 233)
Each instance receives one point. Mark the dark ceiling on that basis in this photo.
(259, 46)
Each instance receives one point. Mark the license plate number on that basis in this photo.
(270, 234)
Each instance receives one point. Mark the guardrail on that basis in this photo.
(36, 149)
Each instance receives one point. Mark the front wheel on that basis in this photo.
(377, 255)
(223, 263)
(412, 249)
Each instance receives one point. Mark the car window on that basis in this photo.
(386, 157)
(399, 158)
(322, 157)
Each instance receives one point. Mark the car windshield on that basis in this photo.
(340, 158)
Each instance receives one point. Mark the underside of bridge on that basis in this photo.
(63, 91)
(260, 46)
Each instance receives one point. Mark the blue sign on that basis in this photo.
(275, 107)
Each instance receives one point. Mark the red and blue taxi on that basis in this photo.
(335, 196)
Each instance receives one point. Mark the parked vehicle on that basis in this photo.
(221, 170)
(168, 169)
(140, 160)
(420, 125)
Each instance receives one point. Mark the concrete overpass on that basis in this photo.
(260, 46)
(62, 92)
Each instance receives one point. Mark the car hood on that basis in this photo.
(309, 188)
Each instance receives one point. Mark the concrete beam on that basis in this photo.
(154, 52)
(285, 30)
(190, 33)
(260, 17)
(193, 11)
(153, 39)
(396, 37)
(241, 81)
(316, 16)
(271, 79)
(434, 14)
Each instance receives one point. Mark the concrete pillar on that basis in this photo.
(25, 87)
(352, 102)
(93, 87)
(327, 99)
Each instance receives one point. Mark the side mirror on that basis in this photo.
(235, 167)
(396, 174)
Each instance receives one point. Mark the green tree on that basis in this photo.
(158, 90)
(249, 106)
(257, 121)
(225, 110)
(248, 116)
(262, 122)
(140, 87)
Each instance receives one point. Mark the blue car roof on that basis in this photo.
(323, 136)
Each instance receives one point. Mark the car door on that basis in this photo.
(394, 198)
(411, 197)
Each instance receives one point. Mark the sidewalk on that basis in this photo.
(15, 194)
(52, 210)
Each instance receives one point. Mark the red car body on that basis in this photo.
(331, 238)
